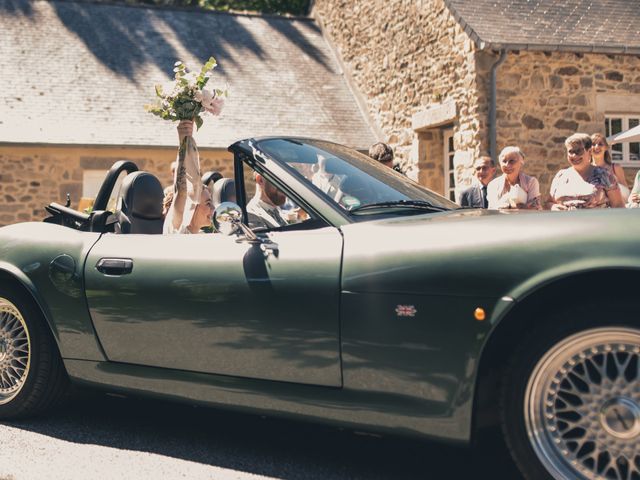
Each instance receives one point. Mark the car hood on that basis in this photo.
(485, 253)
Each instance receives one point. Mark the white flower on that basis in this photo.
(191, 77)
(207, 96)
(198, 96)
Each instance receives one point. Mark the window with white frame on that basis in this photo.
(624, 153)
(449, 170)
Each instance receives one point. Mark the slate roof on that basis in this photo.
(606, 26)
(80, 73)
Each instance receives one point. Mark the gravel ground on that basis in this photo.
(103, 437)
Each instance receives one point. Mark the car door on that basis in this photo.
(218, 304)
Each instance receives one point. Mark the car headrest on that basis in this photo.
(211, 177)
(139, 208)
(224, 190)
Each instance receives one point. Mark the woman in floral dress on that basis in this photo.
(601, 157)
(583, 185)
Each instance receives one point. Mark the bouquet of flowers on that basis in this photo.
(186, 97)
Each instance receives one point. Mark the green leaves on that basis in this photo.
(198, 121)
(203, 77)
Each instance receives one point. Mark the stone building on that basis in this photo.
(76, 75)
(424, 69)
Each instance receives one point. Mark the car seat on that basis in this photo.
(139, 208)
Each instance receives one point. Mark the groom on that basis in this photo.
(264, 209)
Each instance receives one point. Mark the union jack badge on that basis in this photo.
(406, 311)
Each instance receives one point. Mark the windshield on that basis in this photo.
(350, 179)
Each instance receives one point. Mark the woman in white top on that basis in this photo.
(634, 198)
(601, 157)
(514, 188)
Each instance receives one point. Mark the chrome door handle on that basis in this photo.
(115, 266)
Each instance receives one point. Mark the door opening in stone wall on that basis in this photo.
(449, 170)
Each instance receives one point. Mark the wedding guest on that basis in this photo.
(514, 188)
(476, 195)
(167, 200)
(634, 197)
(382, 153)
(582, 184)
(601, 157)
(327, 182)
(189, 196)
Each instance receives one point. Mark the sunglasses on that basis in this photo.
(576, 151)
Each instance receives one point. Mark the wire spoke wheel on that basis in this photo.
(582, 406)
(15, 351)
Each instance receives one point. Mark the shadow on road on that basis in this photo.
(253, 444)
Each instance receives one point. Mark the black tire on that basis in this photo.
(44, 382)
(547, 415)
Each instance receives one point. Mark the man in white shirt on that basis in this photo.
(266, 204)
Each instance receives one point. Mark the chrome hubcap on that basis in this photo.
(582, 406)
(620, 417)
(15, 349)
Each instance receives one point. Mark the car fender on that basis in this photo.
(48, 261)
(20, 278)
(525, 303)
(546, 278)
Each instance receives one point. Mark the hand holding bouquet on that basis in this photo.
(186, 98)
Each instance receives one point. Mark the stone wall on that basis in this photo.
(544, 98)
(32, 177)
(404, 55)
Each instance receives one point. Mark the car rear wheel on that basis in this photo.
(32, 377)
(571, 404)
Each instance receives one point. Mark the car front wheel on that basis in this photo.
(571, 405)
(32, 377)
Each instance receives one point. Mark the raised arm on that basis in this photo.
(185, 129)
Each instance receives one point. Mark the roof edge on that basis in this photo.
(541, 47)
(538, 47)
(468, 29)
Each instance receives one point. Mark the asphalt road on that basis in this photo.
(102, 437)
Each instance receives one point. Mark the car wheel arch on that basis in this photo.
(11, 276)
(532, 306)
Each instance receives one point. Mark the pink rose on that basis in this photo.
(214, 107)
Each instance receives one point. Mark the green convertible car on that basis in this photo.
(372, 303)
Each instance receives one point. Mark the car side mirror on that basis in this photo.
(227, 219)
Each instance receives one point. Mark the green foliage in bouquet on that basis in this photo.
(187, 98)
